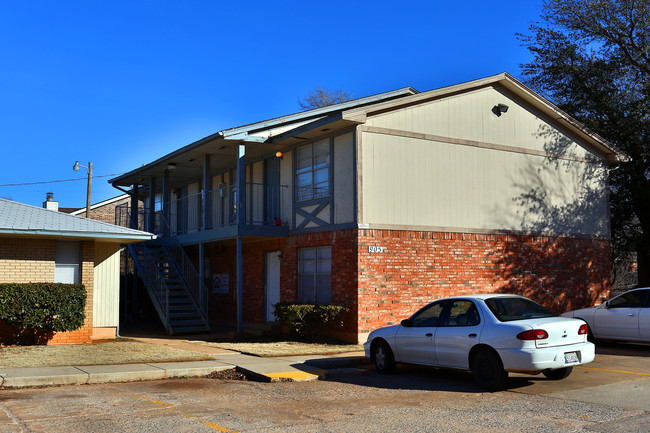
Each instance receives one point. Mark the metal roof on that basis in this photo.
(223, 144)
(282, 133)
(19, 219)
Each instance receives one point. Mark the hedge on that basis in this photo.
(307, 320)
(32, 307)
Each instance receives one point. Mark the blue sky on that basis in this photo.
(121, 83)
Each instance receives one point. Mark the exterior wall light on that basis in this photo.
(279, 154)
(499, 109)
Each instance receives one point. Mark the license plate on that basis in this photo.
(571, 357)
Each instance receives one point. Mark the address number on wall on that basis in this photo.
(376, 249)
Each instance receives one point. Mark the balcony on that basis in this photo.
(186, 218)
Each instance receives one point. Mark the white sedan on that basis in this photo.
(625, 317)
(490, 335)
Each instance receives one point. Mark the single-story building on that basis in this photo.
(44, 245)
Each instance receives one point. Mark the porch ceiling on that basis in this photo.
(224, 150)
(189, 162)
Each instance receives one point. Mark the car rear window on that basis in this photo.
(508, 309)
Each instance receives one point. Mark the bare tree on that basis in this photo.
(321, 97)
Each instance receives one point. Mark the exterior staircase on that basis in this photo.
(177, 292)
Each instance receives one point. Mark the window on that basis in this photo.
(66, 263)
(312, 172)
(507, 309)
(462, 313)
(314, 275)
(634, 299)
(428, 316)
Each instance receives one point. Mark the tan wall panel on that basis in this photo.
(423, 183)
(469, 116)
(344, 178)
(106, 281)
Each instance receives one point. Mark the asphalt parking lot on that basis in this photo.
(611, 394)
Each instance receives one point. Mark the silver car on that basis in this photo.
(625, 317)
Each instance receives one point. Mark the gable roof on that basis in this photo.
(19, 219)
(513, 86)
(79, 211)
(266, 137)
(262, 137)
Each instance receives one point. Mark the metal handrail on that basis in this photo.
(263, 207)
(159, 287)
(191, 278)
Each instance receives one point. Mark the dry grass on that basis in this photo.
(283, 348)
(122, 351)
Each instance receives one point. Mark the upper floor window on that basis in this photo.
(312, 172)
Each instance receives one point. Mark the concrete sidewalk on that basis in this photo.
(290, 368)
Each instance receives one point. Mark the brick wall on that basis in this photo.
(27, 260)
(415, 268)
(344, 272)
(32, 260)
(87, 272)
(419, 267)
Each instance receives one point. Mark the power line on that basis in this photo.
(57, 181)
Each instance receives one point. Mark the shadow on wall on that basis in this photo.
(564, 260)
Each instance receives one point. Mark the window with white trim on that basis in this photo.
(312, 170)
(66, 262)
(315, 275)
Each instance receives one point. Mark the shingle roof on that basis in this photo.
(22, 219)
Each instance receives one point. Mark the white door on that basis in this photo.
(272, 283)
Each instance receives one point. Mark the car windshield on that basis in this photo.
(507, 309)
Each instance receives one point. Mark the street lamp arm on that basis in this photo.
(75, 167)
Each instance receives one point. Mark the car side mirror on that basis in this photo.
(406, 323)
(606, 304)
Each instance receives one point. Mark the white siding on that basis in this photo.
(463, 168)
(106, 285)
(344, 178)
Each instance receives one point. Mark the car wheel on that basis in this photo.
(558, 374)
(488, 371)
(383, 357)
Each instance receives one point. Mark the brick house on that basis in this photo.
(44, 245)
(383, 204)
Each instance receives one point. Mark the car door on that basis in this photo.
(458, 333)
(644, 320)
(414, 339)
(619, 318)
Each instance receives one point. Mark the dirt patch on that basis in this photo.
(120, 351)
(231, 374)
(269, 349)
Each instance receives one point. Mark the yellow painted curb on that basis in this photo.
(296, 375)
